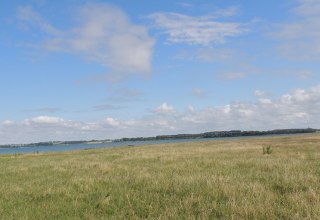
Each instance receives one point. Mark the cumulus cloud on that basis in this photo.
(298, 108)
(104, 35)
(202, 30)
(164, 108)
(112, 121)
(300, 38)
(47, 128)
(294, 109)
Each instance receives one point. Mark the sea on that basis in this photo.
(72, 147)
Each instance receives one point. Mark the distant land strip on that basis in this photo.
(217, 134)
(212, 134)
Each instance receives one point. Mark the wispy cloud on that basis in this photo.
(118, 99)
(199, 93)
(107, 107)
(207, 54)
(198, 30)
(300, 39)
(301, 74)
(185, 4)
(105, 35)
(231, 75)
(125, 95)
(30, 19)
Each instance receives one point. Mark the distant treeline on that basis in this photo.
(213, 134)
(217, 134)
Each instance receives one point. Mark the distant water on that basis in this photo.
(58, 148)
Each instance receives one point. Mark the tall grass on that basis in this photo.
(206, 180)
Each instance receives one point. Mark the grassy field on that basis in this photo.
(202, 180)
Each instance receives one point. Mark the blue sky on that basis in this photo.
(79, 70)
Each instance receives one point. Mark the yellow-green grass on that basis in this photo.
(202, 180)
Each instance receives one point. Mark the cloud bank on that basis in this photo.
(296, 109)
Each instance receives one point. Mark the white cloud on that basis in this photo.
(202, 30)
(190, 108)
(300, 39)
(104, 35)
(112, 122)
(45, 120)
(7, 122)
(164, 108)
(296, 109)
(265, 101)
(259, 93)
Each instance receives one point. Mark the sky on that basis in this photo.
(83, 70)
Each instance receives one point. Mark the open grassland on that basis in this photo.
(201, 180)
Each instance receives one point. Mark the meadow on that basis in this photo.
(230, 179)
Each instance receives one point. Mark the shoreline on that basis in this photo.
(76, 147)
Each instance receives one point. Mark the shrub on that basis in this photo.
(267, 149)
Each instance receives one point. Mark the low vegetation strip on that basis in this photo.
(234, 179)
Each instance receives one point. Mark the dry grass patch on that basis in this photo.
(201, 180)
